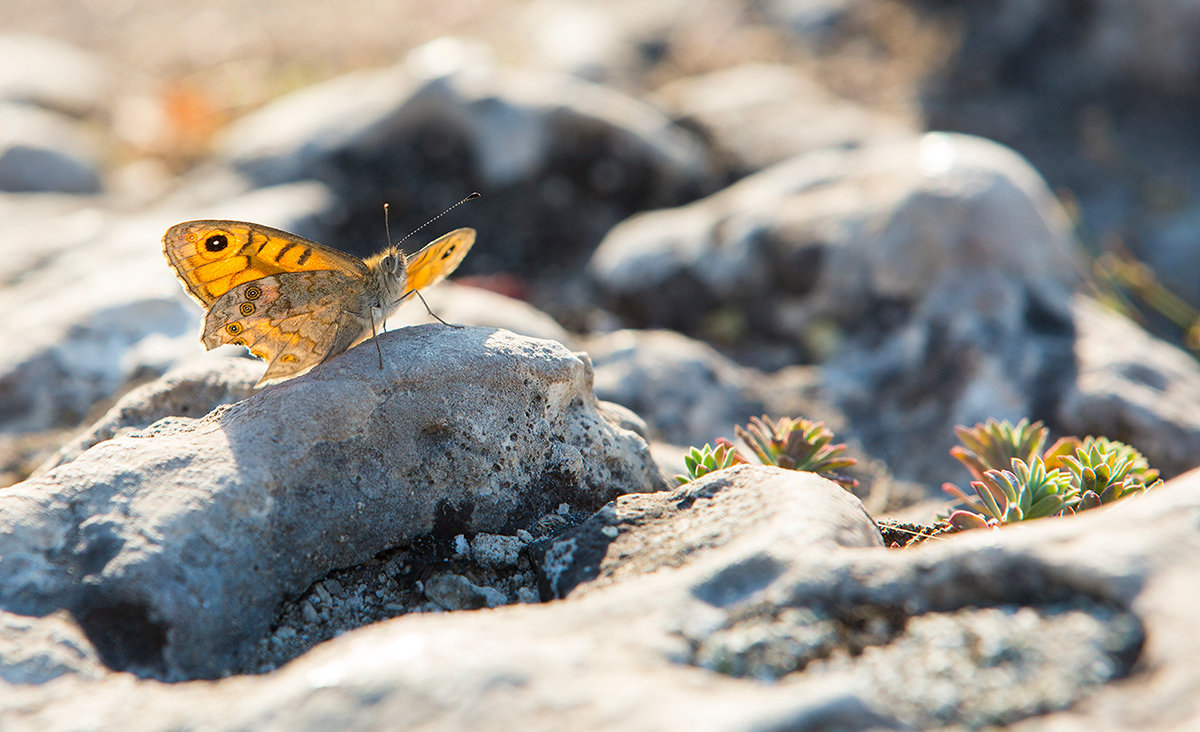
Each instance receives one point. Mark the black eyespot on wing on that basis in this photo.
(233, 328)
(446, 254)
(289, 358)
(246, 308)
(253, 292)
(216, 242)
(238, 342)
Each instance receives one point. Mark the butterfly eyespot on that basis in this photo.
(259, 355)
(246, 308)
(288, 358)
(237, 342)
(233, 328)
(216, 242)
(446, 254)
(252, 293)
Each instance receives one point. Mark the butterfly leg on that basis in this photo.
(435, 315)
(376, 340)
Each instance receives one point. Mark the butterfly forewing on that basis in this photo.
(438, 259)
(210, 257)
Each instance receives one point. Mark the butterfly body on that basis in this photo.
(293, 302)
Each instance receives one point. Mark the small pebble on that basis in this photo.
(496, 550)
(323, 593)
(528, 595)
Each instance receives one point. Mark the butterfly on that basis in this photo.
(292, 302)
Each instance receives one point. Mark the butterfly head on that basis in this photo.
(387, 277)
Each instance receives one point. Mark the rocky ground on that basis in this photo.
(892, 217)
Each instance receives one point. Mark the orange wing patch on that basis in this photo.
(212, 257)
(436, 260)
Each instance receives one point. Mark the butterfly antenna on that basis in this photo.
(386, 228)
(427, 223)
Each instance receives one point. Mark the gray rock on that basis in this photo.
(687, 392)
(1028, 627)
(495, 550)
(639, 535)
(36, 650)
(1105, 111)
(809, 238)
(931, 278)
(1134, 388)
(761, 114)
(464, 430)
(193, 390)
(466, 305)
(45, 152)
(560, 160)
(50, 74)
(93, 304)
(1122, 43)
(455, 592)
(1168, 246)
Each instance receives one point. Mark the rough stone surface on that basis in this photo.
(35, 650)
(931, 277)
(494, 550)
(1026, 626)
(634, 536)
(1134, 388)
(463, 430)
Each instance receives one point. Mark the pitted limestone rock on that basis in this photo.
(462, 430)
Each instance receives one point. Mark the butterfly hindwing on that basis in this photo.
(293, 320)
(438, 259)
(210, 257)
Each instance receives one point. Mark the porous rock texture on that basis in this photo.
(749, 575)
(173, 546)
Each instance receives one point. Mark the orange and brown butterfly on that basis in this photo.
(293, 302)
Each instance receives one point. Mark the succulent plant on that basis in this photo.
(993, 445)
(708, 459)
(1103, 470)
(1072, 475)
(798, 444)
(1026, 492)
